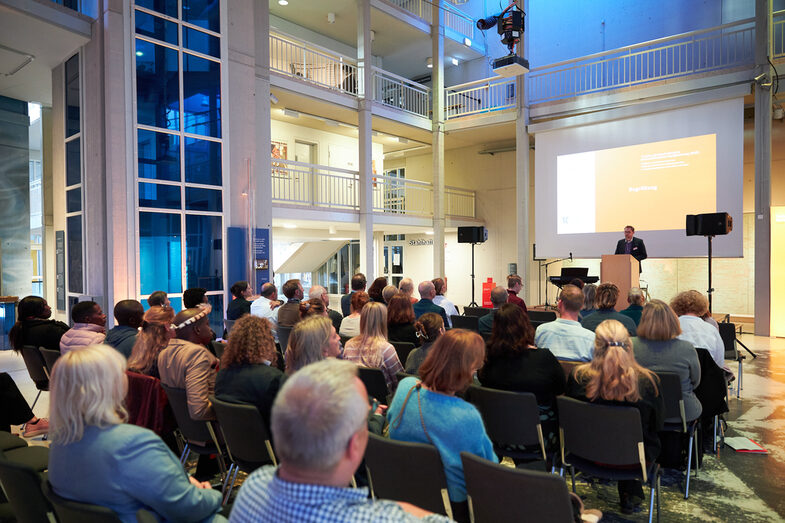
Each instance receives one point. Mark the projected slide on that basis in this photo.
(652, 185)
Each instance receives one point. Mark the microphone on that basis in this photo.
(570, 256)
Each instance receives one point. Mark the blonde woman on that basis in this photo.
(152, 338)
(97, 458)
(371, 348)
(312, 339)
(613, 377)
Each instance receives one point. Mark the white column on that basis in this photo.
(437, 91)
(365, 129)
(522, 180)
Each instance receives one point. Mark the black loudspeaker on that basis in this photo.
(711, 224)
(472, 234)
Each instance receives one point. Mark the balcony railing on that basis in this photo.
(322, 187)
(296, 60)
(718, 48)
(778, 34)
(453, 17)
(421, 8)
(395, 91)
(480, 96)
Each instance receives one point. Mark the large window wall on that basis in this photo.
(179, 149)
(74, 223)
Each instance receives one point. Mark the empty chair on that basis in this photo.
(69, 511)
(22, 486)
(499, 493)
(411, 472)
(670, 388)
(36, 368)
(50, 357)
(402, 348)
(465, 322)
(374, 383)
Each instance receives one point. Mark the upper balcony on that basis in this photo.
(457, 24)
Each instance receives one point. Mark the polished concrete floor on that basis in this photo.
(732, 487)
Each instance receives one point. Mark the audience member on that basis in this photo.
(605, 301)
(319, 426)
(194, 297)
(427, 293)
(358, 283)
(240, 305)
(707, 317)
(89, 327)
(658, 348)
(400, 320)
(158, 298)
(248, 373)
(565, 337)
(289, 312)
(406, 286)
(350, 324)
(589, 294)
(429, 411)
(440, 286)
(312, 307)
(97, 458)
(129, 315)
(317, 291)
(429, 327)
(33, 326)
(689, 306)
(636, 299)
(375, 290)
(371, 348)
(514, 286)
(613, 377)
(152, 339)
(388, 292)
(578, 283)
(514, 363)
(14, 410)
(185, 363)
(266, 306)
(498, 298)
(312, 339)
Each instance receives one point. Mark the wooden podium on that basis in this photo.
(624, 271)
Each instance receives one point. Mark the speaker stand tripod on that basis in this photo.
(473, 303)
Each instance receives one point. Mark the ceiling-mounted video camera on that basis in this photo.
(509, 24)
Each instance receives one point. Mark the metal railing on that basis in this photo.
(722, 47)
(396, 91)
(401, 196)
(420, 8)
(480, 96)
(778, 35)
(296, 60)
(459, 202)
(454, 18)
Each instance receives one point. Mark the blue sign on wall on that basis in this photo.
(252, 265)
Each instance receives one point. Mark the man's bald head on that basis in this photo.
(269, 291)
(427, 290)
(499, 296)
(129, 313)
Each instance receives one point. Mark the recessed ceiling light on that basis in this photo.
(429, 233)
(454, 61)
(429, 62)
(288, 226)
(283, 2)
(467, 42)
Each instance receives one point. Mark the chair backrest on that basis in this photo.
(283, 336)
(244, 430)
(69, 511)
(401, 375)
(476, 311)
(344, 339)
(374, 382)
(411, 472)
(228, 324)
(192, 429)
(217, 348)
(471, 323)
(541, 316)
(36, 367)
(670, 388)
(144, 516)
(403, 348)
(568, 366)
(148, 405)
(22, 486)
(728, 335)
(503, 428)
(499, 493)
(712, 390)
(50, 357)
(601, 433)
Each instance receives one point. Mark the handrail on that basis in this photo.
(315, 166)
(311, 46)
(481, 81)
(400, 78)
(401, 181)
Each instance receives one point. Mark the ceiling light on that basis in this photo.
(291, 113)
(288, 225)
(429, 62)
(467, 42)
(139, 53)
(454, 61)
(429, 233)
(283, 2)
(402, 140)
(273, 98)
(373, 35)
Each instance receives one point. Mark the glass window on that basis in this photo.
(159, 155)
(72, 96)
(74, 254)
(204, 252)
(157, 86)
(167, 7)
(201, 96)
(203, 13)
(155, 27)
(159, 195)
(198, 199)
(216, 317)
(201, 42)
(73, 163)
(176, 303)
(73, 200)
(202, 161)
(160, 256)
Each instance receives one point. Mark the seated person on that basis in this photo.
(388, 292)
(240, 305)
(350, 325)
(689, 306)
(406, 286)
(514, 286)
(14, 410)
(636, 299)
(152, 339)
(319, 292)
(129, 315)
(429, 327)
(371, 348)
(375, 290)
(565, 337)
(97, 458)
(89, 327)
(400, 320)
(194, 297)
(589, 293)
(160, 299)
(248, 374)
(427, 293)
(498, 298)
(440, 286)
(289, 312)
(312, 307)
(605, 301)
(311, 340)
(326, 403)
(33, 326)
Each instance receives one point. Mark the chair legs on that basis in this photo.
(36, 400)
(229, 482)
(185, 454)
(693, 449)
(655, 492)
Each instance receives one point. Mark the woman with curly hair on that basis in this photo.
(248, 373)
(152, 339)
(690, 306)
(312, 339)
(371, 348)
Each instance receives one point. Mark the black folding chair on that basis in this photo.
(50, 358)
(243, 430)
(541, 316)
(36, 368)
(22, 486)
(374, 382)
(601, 439)
(344, 339)
(568, 366)
(499, 493)
(712, 393)
(217, 348)
(475, 311)
(69, 511)
(471, 323)
(228, 324)
(403, 348)
(283, 337)
(670, 388)
(411, 472)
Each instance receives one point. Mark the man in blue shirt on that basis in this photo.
(324, 402)
(565, 337)
(427, 294)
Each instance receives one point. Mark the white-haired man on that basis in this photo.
(319, 292)
(319, 423)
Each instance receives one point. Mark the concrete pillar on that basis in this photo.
(365, 130)
(522, 181)
(763, 27)
(47, 208)
(437, 92)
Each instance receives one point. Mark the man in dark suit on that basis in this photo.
(498, 298)
(632, 245)
(358, 284)
(427, 292)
